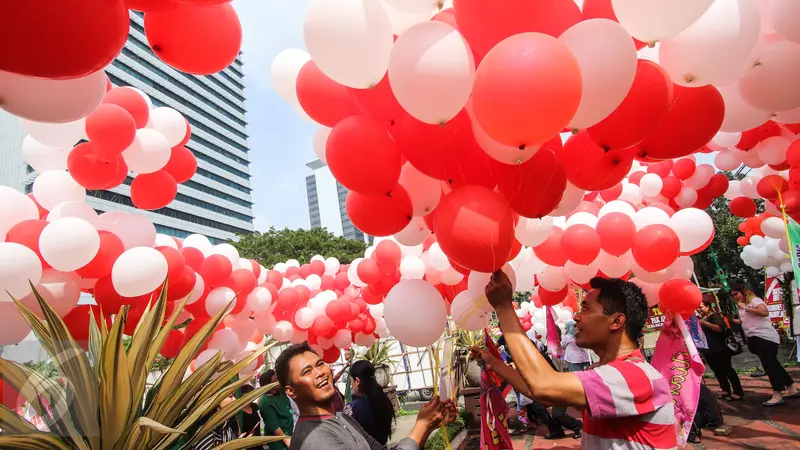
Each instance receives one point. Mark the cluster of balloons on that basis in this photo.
(416, 156)
(765, 244)
(533, 315)
(58, 76)
(124, 134)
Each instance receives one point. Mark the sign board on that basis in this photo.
(655, 320)
(773, 297)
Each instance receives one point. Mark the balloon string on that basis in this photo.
(785, 220)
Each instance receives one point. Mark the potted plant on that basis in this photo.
(465, 341)
(100, 401)
(380, 357)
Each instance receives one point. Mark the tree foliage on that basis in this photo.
(276, 246)
(726, 249)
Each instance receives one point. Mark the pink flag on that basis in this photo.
(553, 342)
(677, 359)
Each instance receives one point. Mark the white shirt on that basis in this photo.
(758, 326)
(572, 353)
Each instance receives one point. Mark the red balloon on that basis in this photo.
(193, 257)
(612, 193)
(175, 260)
(616, 231)
(743, 207)
(680, 296)
(546, 88)
(549, 298)
(172, 345)
(742, 241)
(328, 283)
(153, 190)
(324, 100)
(275, 278)
(485, 25)
(181, 284)
(379, 102)
(90, 171)
(434, 149)
(793, 154)
(215, 270)
(772, 186)
(550, 251)
(671, 187)
(317, 267)
(42, 212)
(655, 247)
(121, 176)
(331, 355)
(475, 228)
(645, 106)
(380, 215)
(363, 156)
(27, 233)
(132, 101)
(242, 281)
(387, 254)
(188, 134)
(111, 247)
(10, 397)
(338, 310)
(182, 164)
(369, 326)
(77, 322)
(200, 40)
(475, 167)
(368, 271)
(111, 129)
(341, 281)
(695, 117)
(635, 177)
(587, 206)
(288, 300)
(522, 185)
(356, 325)
(718, 185)
(683, 168)
(40, 38)
(590, 167)
(323, 326)
(580, 244)
(107, 297)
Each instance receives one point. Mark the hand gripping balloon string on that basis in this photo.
(783, 215)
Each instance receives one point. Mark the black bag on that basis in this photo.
(733, 345)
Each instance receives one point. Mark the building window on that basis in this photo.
(222, 180)
(205, 205)
(210, 191)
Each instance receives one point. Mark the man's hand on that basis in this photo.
(499, 290)
(450, 412)
(432, 413)
(481, 354)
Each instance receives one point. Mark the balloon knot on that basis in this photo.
(771, 115)
(522, 146)
(156, 48)
(392, 122)
(575, 131)
(441, 124)
(440, 6)
(757, 63)
(606, 149)
(688, 78)
(651, 44)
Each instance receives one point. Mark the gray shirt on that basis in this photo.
(339, 432)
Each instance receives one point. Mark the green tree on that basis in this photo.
(725, 248)
(276, 246)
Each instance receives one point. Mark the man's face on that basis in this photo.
(591, 325)
(310, 380)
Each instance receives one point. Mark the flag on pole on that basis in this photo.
(793, 230)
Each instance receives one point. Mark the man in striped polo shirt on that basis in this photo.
(626, 402)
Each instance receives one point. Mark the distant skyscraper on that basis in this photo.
(327, 203)
(217, 201)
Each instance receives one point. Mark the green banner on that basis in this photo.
(794, 245)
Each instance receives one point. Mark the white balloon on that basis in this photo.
(437, 258)
(53, 101)
(466, 315)
(773, 227)
(169, 123)
(332, 266)
(757, 241)
(199, 289)
(376, 311)
(582, 218)
(553, 279)
(686, 197)
(657, 20)
(69, 243)
(714, 46)
(617, 206)
(727, 160)
(162, 240)
(578, 273)
(631, 193)
(259, 300)
(342, 339)
(651, 185)
(19, 267)
(414, 233)
(402, 19)
(149, 152)
(733, 190)
(228, 251)
(613, 266)
(772, 86)
(304, 318)
(727, 140)
(283, 331)
(412, 268)
(74, 209)
(424, 58)
(134, 230)
(415, 6)
(43, 158)
(532, 232)
(352, 273)
(57, 186)
(607, 58)
(694, 228)
(284, 70)
(139, 271)
(401, 313)
(349, 40)
(772, 150)
(452, 277)
(265, 323)
(199, 242)
(739, 115)
(425, 192)
(218, 299)
(320, 141)
(748, 186)
(782, 15)
(15, 207)
(571, 199)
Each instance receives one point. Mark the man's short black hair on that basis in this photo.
(286, 356)
(246, 389)
(619, 296)
(265, 378)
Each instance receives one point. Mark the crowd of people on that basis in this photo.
(625, 402)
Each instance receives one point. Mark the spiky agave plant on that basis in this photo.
(100, 403)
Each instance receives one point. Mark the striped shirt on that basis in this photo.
(629, 406)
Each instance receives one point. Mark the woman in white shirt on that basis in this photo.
(577, 358)
(763, 340)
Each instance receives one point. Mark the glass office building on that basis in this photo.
(327, 203)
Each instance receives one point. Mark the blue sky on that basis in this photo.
(280, 141)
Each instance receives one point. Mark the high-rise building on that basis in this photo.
(327, 203)
(217, 201)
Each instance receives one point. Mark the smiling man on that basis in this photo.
(309, 382)
(626, 402)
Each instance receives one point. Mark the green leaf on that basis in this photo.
(33, 441)
(115, 385)
(276, 246)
